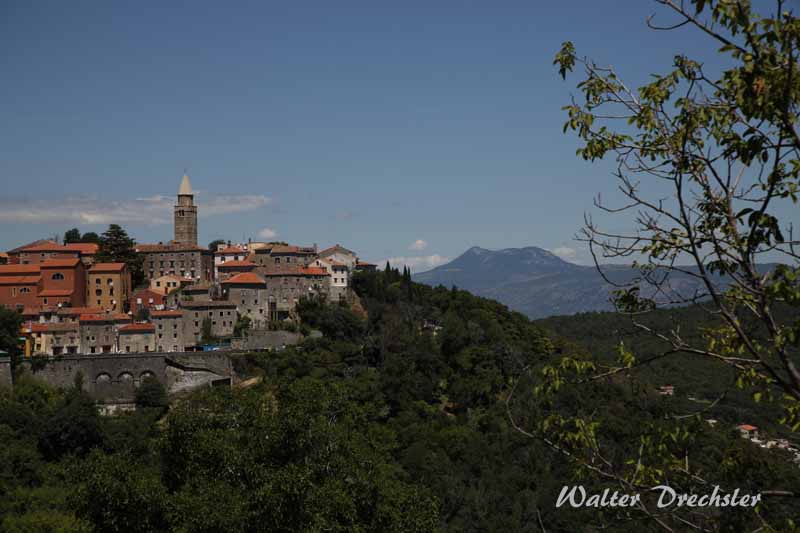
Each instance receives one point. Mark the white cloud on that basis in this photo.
(267, 233)
(418, 245)
(152, 210)
(417, 264)
(565, 252)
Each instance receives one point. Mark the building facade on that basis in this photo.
(222, 316)
(169, 331)
(248, 291)
(108, 285)
(137, 338)
(186, 261)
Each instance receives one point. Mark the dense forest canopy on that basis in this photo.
(396, 420)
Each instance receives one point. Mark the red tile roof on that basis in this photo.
(53, 328)
(747, 427)
(60, 263)
(85, 248)
(34, 243)
(76, 311)
(55, 292)
(46, 246)
(105, 317)
(231, 250)
(138, 328)
(313, 271)
(245, 278)
(107, 267)
(18, 270)
(166, 314)
(19, 280)
(233, 264)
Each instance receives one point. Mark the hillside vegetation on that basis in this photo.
(393, 421)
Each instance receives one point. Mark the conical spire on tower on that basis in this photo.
(186, 186)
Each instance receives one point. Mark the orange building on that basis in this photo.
(108, 285)
(53, 283)
(38, 252)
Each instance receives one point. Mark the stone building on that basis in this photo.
(169, 331)
(182, 260)
(340, 254)
(339, 289)
(137, 338)
(168, 283)
(232, 268)
(227, 253)
(221, 314)
(99, 332)
(55, 339)
(186, 214)
(282, 258)
(284, 289)
(108, 285)
(150, 299)
(248, 291)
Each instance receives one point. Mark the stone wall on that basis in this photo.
(114, 378)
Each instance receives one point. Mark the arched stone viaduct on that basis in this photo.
(113, 378)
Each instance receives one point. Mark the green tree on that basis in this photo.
(71, 236)
(213, 244)
(10, 322)
(242, 325)
(207, 336)
(151, 394)
(73, 428)
(116, 246)
(91, 237)
(142, 314)
(726, 147)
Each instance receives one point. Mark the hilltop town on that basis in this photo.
(188, 297)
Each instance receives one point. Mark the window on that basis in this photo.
(97, 281)
(14, 291)
(24, 290)
(57, 276)
(127, 348)
(139, 301)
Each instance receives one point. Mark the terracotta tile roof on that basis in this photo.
(313, 271)
(107, 267)
(60, 263)
(364, 263)
(85, 248)
(335, 248)
(19, 280)
(105, 317)
(34, 243)
(166, 314)
(747, 427)
(160, 292)
(245, 278)
(236, 264)
(337, 264)
(43, 246)
(53, 328)
(55, 292)
(19, 270)
(138, 328)
(231, 250)
(283, 249)
(77, 311)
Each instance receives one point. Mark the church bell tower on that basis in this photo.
(186, 214)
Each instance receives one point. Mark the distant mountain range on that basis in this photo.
(533, 281)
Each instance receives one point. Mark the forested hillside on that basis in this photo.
(396, 420)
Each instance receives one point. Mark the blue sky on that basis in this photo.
(408, 129)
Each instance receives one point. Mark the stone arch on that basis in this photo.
(103, 385)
